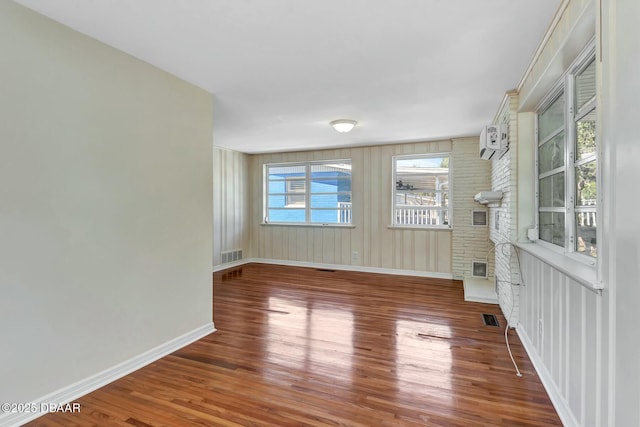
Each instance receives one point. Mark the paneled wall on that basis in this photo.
(230, 203)
(562, 324)
(370, 242)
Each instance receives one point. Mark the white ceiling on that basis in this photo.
(281, 70)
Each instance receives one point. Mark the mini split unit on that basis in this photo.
(494, 140)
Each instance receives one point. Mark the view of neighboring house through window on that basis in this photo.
(567, 163)
(422, 190)
(308, 193)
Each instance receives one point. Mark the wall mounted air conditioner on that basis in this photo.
(494, 140)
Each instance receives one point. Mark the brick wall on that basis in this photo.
(471, 175)
(503, 219)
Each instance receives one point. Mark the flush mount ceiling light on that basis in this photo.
(343, 125)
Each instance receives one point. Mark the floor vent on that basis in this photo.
(490, 319)
(231, 256)
(326, 270)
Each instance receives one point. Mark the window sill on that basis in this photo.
(298, 224)
(584, 274)
(420, 227)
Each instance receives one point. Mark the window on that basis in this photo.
(421, 191)
(308, 193)
(566, 163)
(296, 192)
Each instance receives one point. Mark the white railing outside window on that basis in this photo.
(420, 216)
(345, 213)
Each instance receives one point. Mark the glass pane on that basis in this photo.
(586, 136)
(551, 154)
(586, 188)
(586, 86)
(329, 200)
(586, 233)
(294, 200)
(551, 226)
(422, 198)
(286, 215)
(278, 201)
(551, 191)
(330, 216)
(331, 185)
(429, 173)
(331, 170)
(296, 185)
(551, 119)
(282, 172)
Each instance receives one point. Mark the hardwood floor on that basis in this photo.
(303, 347)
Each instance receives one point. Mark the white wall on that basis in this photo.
(105, 206)
(621, 230)
(566, 327)
(504, 218)
(230, 203)
(376, 245)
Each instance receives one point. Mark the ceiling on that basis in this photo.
(281, 70)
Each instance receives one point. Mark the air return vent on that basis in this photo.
(479, 269)
(231, 256)
(479, 218)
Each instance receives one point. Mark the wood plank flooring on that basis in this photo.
(302, 347)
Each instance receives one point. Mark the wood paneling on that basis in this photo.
(376, 244)
(302, 347)
(569, 341)
(230, 202)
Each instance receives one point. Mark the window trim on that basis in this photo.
(566, 85)
(448, 209)
(307, 194)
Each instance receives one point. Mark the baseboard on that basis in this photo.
(345, 267)
(80, 388)
(561, 405)
(227, 265)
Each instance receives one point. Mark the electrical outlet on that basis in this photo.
(355, 255)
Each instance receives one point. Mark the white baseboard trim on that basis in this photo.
(94, 382)
(345, 267)
(220, 267)
(559, 402)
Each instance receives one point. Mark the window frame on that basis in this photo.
(448, 209)
(307, 165)
(565, 87)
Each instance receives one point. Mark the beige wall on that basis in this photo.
(375, 244)
(105, 206)
(230, 203)
(471, 175)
